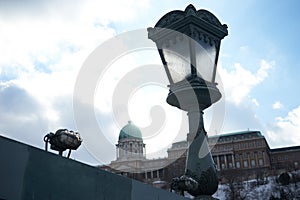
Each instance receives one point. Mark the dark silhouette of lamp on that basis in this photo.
(188, 43)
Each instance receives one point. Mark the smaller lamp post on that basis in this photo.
(188, 43)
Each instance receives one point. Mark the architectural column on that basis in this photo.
(233, 161)
(249, 161)
(256, 159)
(225, 159)
(117, 152)
(264, 158)
(218, 162)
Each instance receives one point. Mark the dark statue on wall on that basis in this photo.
(62, 140)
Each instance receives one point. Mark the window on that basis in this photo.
(222, 158)
(245, 163)
(243, 146)
(286, 157)
(260, 162)
(253, 163)
(259, 143)
(296, 164)
(230, 165)
(161, 173)
(223, 166)
(245, 155)
(154, 174)
(251, 145)
(279, 158)
(149, 175)
(238, 165)
(237, 156)
(236, 146)
(252, 154)
(259, 154)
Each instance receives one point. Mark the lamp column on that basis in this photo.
(188, 43)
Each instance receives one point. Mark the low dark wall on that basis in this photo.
(30, 173)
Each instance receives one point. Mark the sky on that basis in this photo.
(45, 47)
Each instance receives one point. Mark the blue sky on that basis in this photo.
(43, 45)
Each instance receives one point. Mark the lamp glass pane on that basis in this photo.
(177, 56)
(205, 60)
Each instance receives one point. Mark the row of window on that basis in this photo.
(282, 158)
(230, 138)
(130, 145)
(154, 174)
(253, 163)
(251, 155)
(245, 164)
(248, 145)
(239, 146)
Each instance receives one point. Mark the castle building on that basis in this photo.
(240, 150)
(130, 144)
(244, 154)
(131, 157)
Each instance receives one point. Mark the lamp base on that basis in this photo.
(193, 93)
(200, 178)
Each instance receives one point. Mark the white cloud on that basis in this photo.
(285, 130)
(255, 102)
(43, 51)
(43, 46)
(240, 105)
(239, 82)
(277, 105)
(244, 48)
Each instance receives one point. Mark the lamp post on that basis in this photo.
(188, 43)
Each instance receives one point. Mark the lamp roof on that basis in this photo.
(177, 19)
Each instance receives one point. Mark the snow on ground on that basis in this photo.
(250, 190)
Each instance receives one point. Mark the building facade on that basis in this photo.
(131, 157)
(243, 154)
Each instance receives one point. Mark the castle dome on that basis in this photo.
(130, 131)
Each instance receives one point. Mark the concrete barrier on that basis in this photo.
(27, 172)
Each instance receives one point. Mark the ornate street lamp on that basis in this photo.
(188, 43)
